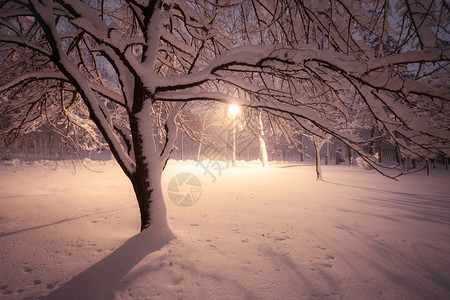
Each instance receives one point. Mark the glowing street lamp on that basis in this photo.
(234, 111)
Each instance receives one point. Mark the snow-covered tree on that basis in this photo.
(46, 119)
(262, 143)
(135, 63)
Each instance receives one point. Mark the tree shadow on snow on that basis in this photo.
(422, 207)
(307, 285)
(3, 234)
(100, 280)
(291, 166)
(396, 264)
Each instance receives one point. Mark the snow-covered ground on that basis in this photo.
(254, 233)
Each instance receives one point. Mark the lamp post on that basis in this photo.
(234, 110)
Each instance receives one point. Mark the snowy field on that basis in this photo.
(254, 233)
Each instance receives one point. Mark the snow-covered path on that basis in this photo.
(255, 233)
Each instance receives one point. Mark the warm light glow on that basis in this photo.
(234, 109)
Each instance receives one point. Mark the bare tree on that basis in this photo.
(135, 63)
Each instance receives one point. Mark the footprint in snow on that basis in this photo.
(7, 292)
(50, 286)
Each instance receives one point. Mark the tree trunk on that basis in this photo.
(233, 160)
(326, 152)
(317, 154)
(349, 155)
(146, 179)
(25, 148)
(301, 148)
(226, 141)
(41, 153)
(398, 156)
(35, 145)
(262, 144)
(182, 145)
(372, 143)
(380, 151)
(200, 148)
(147, 187)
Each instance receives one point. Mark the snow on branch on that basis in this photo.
(32, 76)
(22, 41)
(115, 96)
(323, 63)
(171, 131)
(99, 113)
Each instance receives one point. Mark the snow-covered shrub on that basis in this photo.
(6, 154)
(363, 164)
